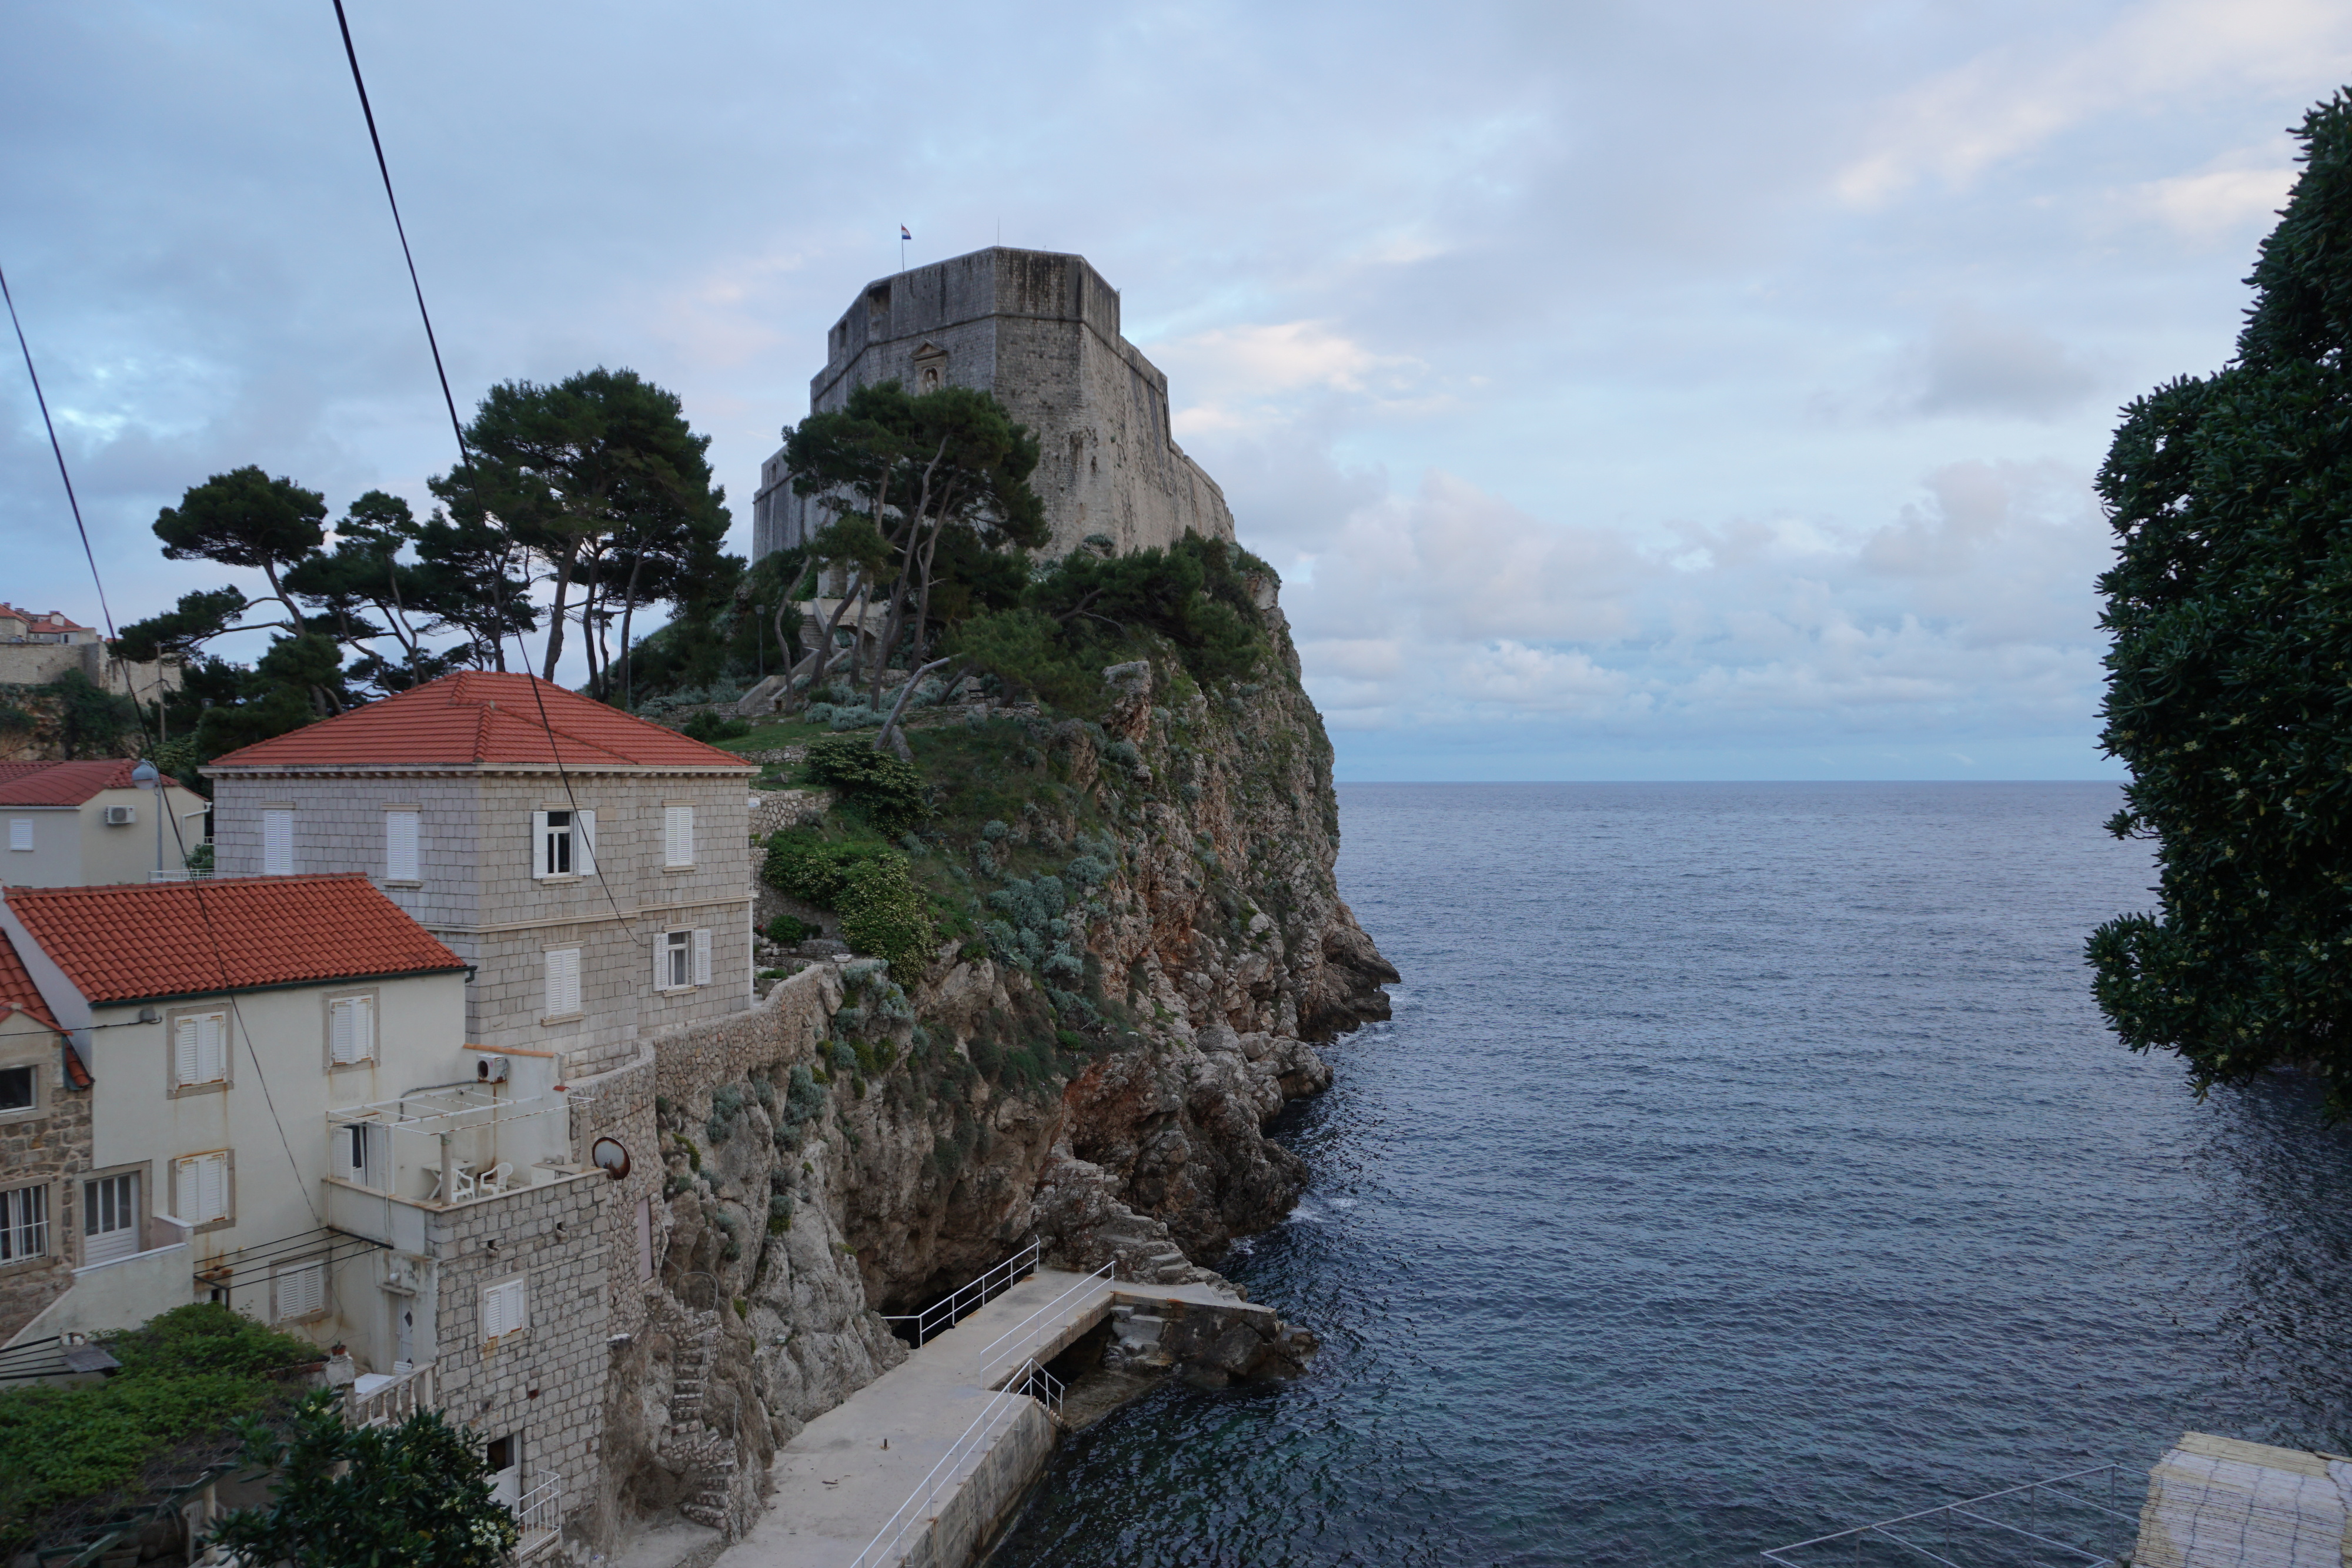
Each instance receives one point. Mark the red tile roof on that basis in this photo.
(46, 620)
(64, 783)
(134, 943)
(481, 717)
(17, 992)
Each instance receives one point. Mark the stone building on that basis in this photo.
(594, 868)
(258, 1091)
(44, 1149)
(73, 823)
(1040, 332)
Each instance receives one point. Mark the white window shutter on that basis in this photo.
(183, 1052)
(583, 843)
(562, 982)
(363, 1028)
(185, 1195)
(400, 846)
(213, 1190)
(340, 1049)
(200, 1187)
(677, 835)
(301, 1289)
(277, 844)
(20, 833)
(661, 960)
(212, 1048)
(703, 957)
(539, 866)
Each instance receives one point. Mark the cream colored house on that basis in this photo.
(279, 1111)
(72, 824)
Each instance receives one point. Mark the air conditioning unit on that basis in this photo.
(490, 1069)
(121, 816)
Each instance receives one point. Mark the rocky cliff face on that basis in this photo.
(1163, 944)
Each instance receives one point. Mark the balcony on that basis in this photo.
(395, 1163)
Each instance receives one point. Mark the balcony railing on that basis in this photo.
(391, 1402)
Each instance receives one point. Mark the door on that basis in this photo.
(110, 1219)
(505, 1455)
(403, 1334)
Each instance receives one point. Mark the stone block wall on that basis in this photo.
(546, 1383)
(51, 1149)
(339, 828)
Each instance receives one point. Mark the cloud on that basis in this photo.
(1974, 363)
(2009, 100)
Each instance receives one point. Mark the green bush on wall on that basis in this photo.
(887, 791)
(883, 913)
(814, 871)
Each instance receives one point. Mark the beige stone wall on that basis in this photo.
(49, 1147)
(547, 1383)
(478, 895)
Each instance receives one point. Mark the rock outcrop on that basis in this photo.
(1162, 947)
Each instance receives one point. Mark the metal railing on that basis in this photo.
(995, 1355)
(1003, 1407)
(1969, 1534)
(970, 1298)
(542, 1509)
(394, 1402)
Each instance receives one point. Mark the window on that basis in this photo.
(562, 982)
(20, 833)
(301, 1289)
(278, 842)
(200, 1187)
(20, 1088)
(24, 1224)
(506, 1307)
(677, 835)
(199, 1050)
(400, 846)
(350, 1031)
(681, 960)
(110, 1219)
(563, 843)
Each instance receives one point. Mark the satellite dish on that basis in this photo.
(608, 1155)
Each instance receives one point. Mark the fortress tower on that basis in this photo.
(1040, 332)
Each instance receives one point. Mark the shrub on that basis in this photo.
(814, 869)
(883, 913)
(787, 929)
(888, 792)
(804, 1096)
(726, 1110)
(712, 727)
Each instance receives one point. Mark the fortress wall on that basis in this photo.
(1042, 332)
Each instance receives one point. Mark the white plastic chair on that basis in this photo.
(494, 1180)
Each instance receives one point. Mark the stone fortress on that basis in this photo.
(1040, 331)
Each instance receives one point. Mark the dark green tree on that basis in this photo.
(600, 479)
(900, 475)
(245, 518)
(2230, 682)
(415, 1495)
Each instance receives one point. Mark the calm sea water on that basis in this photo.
(1744, 1162)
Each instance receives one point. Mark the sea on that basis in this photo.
(1744, 1162)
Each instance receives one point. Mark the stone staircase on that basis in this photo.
(1145, 1254)
(690, 1447)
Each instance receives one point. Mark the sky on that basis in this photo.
(1699, 391)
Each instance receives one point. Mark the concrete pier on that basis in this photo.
(840, 1483)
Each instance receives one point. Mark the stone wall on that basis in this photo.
(50, 1148)
(478, 893)
(547, 1383)
(1040, 332)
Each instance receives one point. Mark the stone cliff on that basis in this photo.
(1155, 947)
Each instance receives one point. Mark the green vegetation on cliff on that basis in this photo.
(2229, 683)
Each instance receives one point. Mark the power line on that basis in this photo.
(554, 750)
(457, 427)
(72, 500)
(212, 934)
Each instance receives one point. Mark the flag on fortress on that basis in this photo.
(903, 234)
